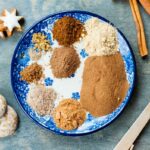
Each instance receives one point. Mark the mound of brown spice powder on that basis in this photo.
(32, 73)
(64, 62)
(104, 84)
(69, 114)
(68, 30)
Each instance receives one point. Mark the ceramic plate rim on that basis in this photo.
(94, 15)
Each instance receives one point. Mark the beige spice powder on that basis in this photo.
(101, 38)
(41, 99)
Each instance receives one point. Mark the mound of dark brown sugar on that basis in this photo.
(64, 62)
(104, 84)
(68, 30)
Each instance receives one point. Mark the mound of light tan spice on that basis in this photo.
(64, 62)
(104, 84)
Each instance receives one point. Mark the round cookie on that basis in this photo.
(8, 123)
(3, 105)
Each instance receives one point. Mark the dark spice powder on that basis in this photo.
(67, 30)
(32, 73)
(64, 62)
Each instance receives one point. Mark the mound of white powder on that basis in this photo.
(101, 38)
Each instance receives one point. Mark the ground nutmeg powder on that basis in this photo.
(69, 114)
(64, 62)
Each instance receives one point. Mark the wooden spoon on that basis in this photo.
(128, 139)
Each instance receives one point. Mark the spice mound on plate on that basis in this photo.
(68, 30)
(32, 73)
(40, 42)
(64, 62)
(69, 114)
(101, 38)
(104, 84)
(41, 99)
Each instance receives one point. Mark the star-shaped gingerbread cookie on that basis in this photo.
(2, 28)
(10, 21)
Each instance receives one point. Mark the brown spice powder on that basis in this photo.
(64, 62)
(69, 114)
(67, 30)
(32, 73)
(104, 84)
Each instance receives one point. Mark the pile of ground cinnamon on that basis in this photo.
(32, 73)
(64, 62)
(69, 114)
(104, 84)
(67, 30)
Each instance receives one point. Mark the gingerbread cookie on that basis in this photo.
(2, 28)
(3, 105)
(8, 123)
(10, 21)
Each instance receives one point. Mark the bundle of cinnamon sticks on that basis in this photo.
(140, 28)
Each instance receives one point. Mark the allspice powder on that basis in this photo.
(68, 30)
(104, 84)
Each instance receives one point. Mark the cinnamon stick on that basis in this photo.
(140, 28)
(137, 28)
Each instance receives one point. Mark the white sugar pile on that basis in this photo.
(101, 38)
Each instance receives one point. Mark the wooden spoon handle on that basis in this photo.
(133, 132)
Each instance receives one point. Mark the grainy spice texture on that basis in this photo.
(41, 99)
(101, 38)
(104, 84)
(64, 62)
(32, 73)
(69, 114)
(8, 123)
(68, 30)
(40, 42)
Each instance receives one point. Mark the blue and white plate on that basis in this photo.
(70, 87)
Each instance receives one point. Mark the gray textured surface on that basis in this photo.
(29, 135)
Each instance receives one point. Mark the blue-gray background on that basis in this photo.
(31, 137)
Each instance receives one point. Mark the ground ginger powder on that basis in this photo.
(69, 114)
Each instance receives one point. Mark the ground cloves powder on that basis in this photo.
(68, 30)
